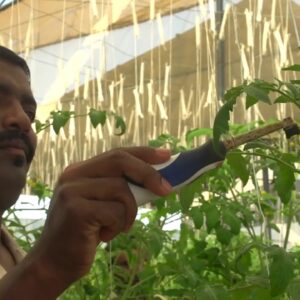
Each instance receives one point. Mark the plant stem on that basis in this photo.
(289, 224)
(274, 158)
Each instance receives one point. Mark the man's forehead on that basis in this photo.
(14, 75)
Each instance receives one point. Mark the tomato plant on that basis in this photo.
(227, 246)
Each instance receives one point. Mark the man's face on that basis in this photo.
(17, 139)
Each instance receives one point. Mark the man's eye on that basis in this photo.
(30, 114)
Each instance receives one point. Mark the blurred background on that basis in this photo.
(162, 65)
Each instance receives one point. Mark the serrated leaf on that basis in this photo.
(295, 68)
(239, 165)
(212, 215)
(224, 236)
(257, 93)
(120, 125)
(232, 221)
(197, 216)
(60, 119)
(281, 272)
(97, 117)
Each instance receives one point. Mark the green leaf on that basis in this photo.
(232, 221)
(224, 236)
(261, 144)
(282, 99)
(295, 81)
(155, 242)
(294, 290)
(120, 124)
(164, 139)
(252, 292)
(212, 216)
(38, 126)
(281, 271)
(244, 263)
(89, 289)
(156, 143)
(186, 196)
(284, 183)
(183, 238)
(60, 119)
(250, 101)
(210, 292)
(197, 216)
(221, 122)
(294, 90)
(274, 227)
(192, 134)
(257, 93)
(160, 203)
(97, 117)
(239, 165)
(295, 68)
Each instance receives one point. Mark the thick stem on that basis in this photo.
(288, 225)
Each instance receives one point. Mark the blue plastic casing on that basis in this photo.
(182, 169)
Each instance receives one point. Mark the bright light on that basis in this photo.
(5, 2)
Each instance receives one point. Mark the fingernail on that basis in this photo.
(166, 186)
(163, 152)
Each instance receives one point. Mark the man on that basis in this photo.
(91, 202)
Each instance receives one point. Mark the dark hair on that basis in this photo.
(11, 57)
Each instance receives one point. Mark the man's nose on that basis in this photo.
(15, 118)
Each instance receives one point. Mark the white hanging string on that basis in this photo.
(273, 15)
(167, 79)
(224, 20)
(250, 35)
(266, 35)
(142, 74)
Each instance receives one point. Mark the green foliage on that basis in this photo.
(256, 91)
(225, 248)
(59, 119)
(281, 271)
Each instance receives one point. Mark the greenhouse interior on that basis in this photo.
(150, 149)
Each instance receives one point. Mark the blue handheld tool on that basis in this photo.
(185, 167)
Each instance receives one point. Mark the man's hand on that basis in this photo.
(92, 203)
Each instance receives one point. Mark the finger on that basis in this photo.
(127, 164)
(110, 218)
(102, 189)
(149, 155)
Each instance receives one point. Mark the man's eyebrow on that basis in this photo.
(26, 97)
(29, 99)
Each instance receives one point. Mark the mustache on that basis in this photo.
(18, 135)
